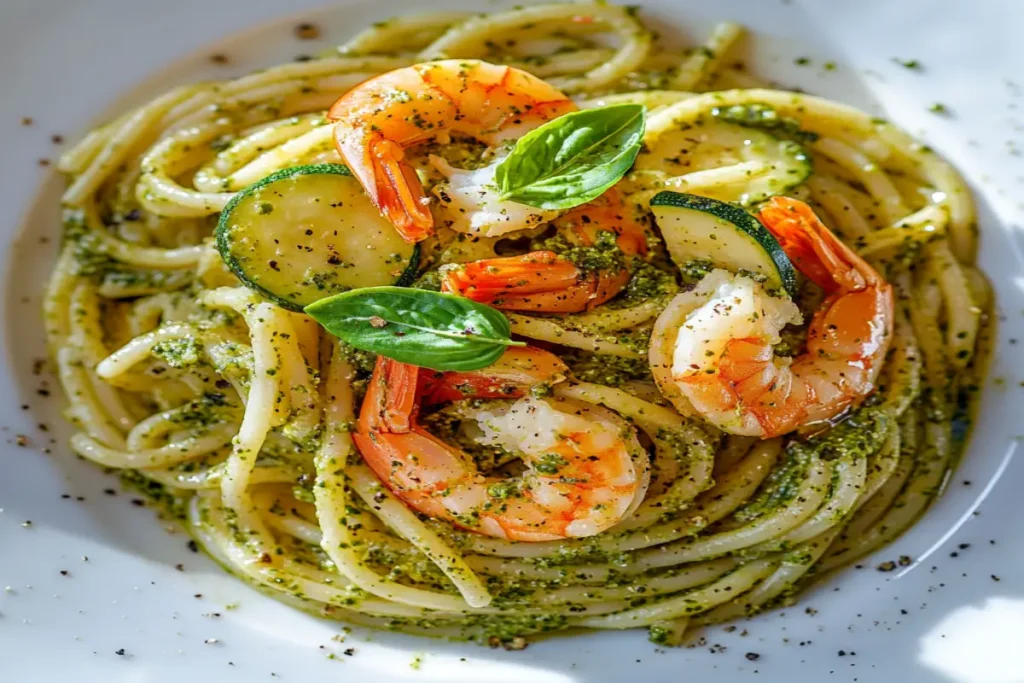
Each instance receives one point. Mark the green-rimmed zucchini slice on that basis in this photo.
(702, 229)
(733, 163)
(308, 232)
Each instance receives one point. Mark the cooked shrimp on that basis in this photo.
(546, 282)
(723, 364)
(383, 116)
(584, 468)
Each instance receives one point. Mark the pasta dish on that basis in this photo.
(489, 325)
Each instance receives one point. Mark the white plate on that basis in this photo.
(127, 614)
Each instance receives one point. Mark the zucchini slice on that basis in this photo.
(723, 160)
(702, 229)
(308, 232)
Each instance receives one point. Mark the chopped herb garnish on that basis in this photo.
(912, 64)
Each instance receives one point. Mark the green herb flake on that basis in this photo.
(911, 64)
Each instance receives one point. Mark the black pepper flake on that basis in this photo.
(138, 502)
(120, 652)
(905, 560)
(307, 31)
(219, 58)
(350, 651)
(842, 653)
(57, 139)
(886, 566)
(964, 546)
(21, 440)
(180, 567)
(752, 656)
(65, 572)
(110, 492)
(193, 546)
(995, 578)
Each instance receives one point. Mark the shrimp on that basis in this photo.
(723, 364)
(545, 282)
(584, 468)
(380, 118)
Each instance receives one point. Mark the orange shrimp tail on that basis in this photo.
(400, 194)
(812, 247)
(540, 281)
(488, 280)
(390, 398)
(606, 213)
(854, 286)
(518, 369)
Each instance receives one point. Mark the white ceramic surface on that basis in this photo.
(143, 608)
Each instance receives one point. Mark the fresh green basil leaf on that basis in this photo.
(417, 326)
(573, 159)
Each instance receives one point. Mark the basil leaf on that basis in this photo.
(572, 159)
(417, 326)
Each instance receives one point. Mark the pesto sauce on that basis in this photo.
(170, 504)
(602, 256)
(430, 280)
(861, 434)
(779, 487)
(611, 371)
(407, 567)
(647, 282)
(90, 252)
(138, 281)
(179, 353)
(765, 117)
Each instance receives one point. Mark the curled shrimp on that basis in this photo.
(380, 118)
(584, 468)
(723, 364)
(546, 282)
